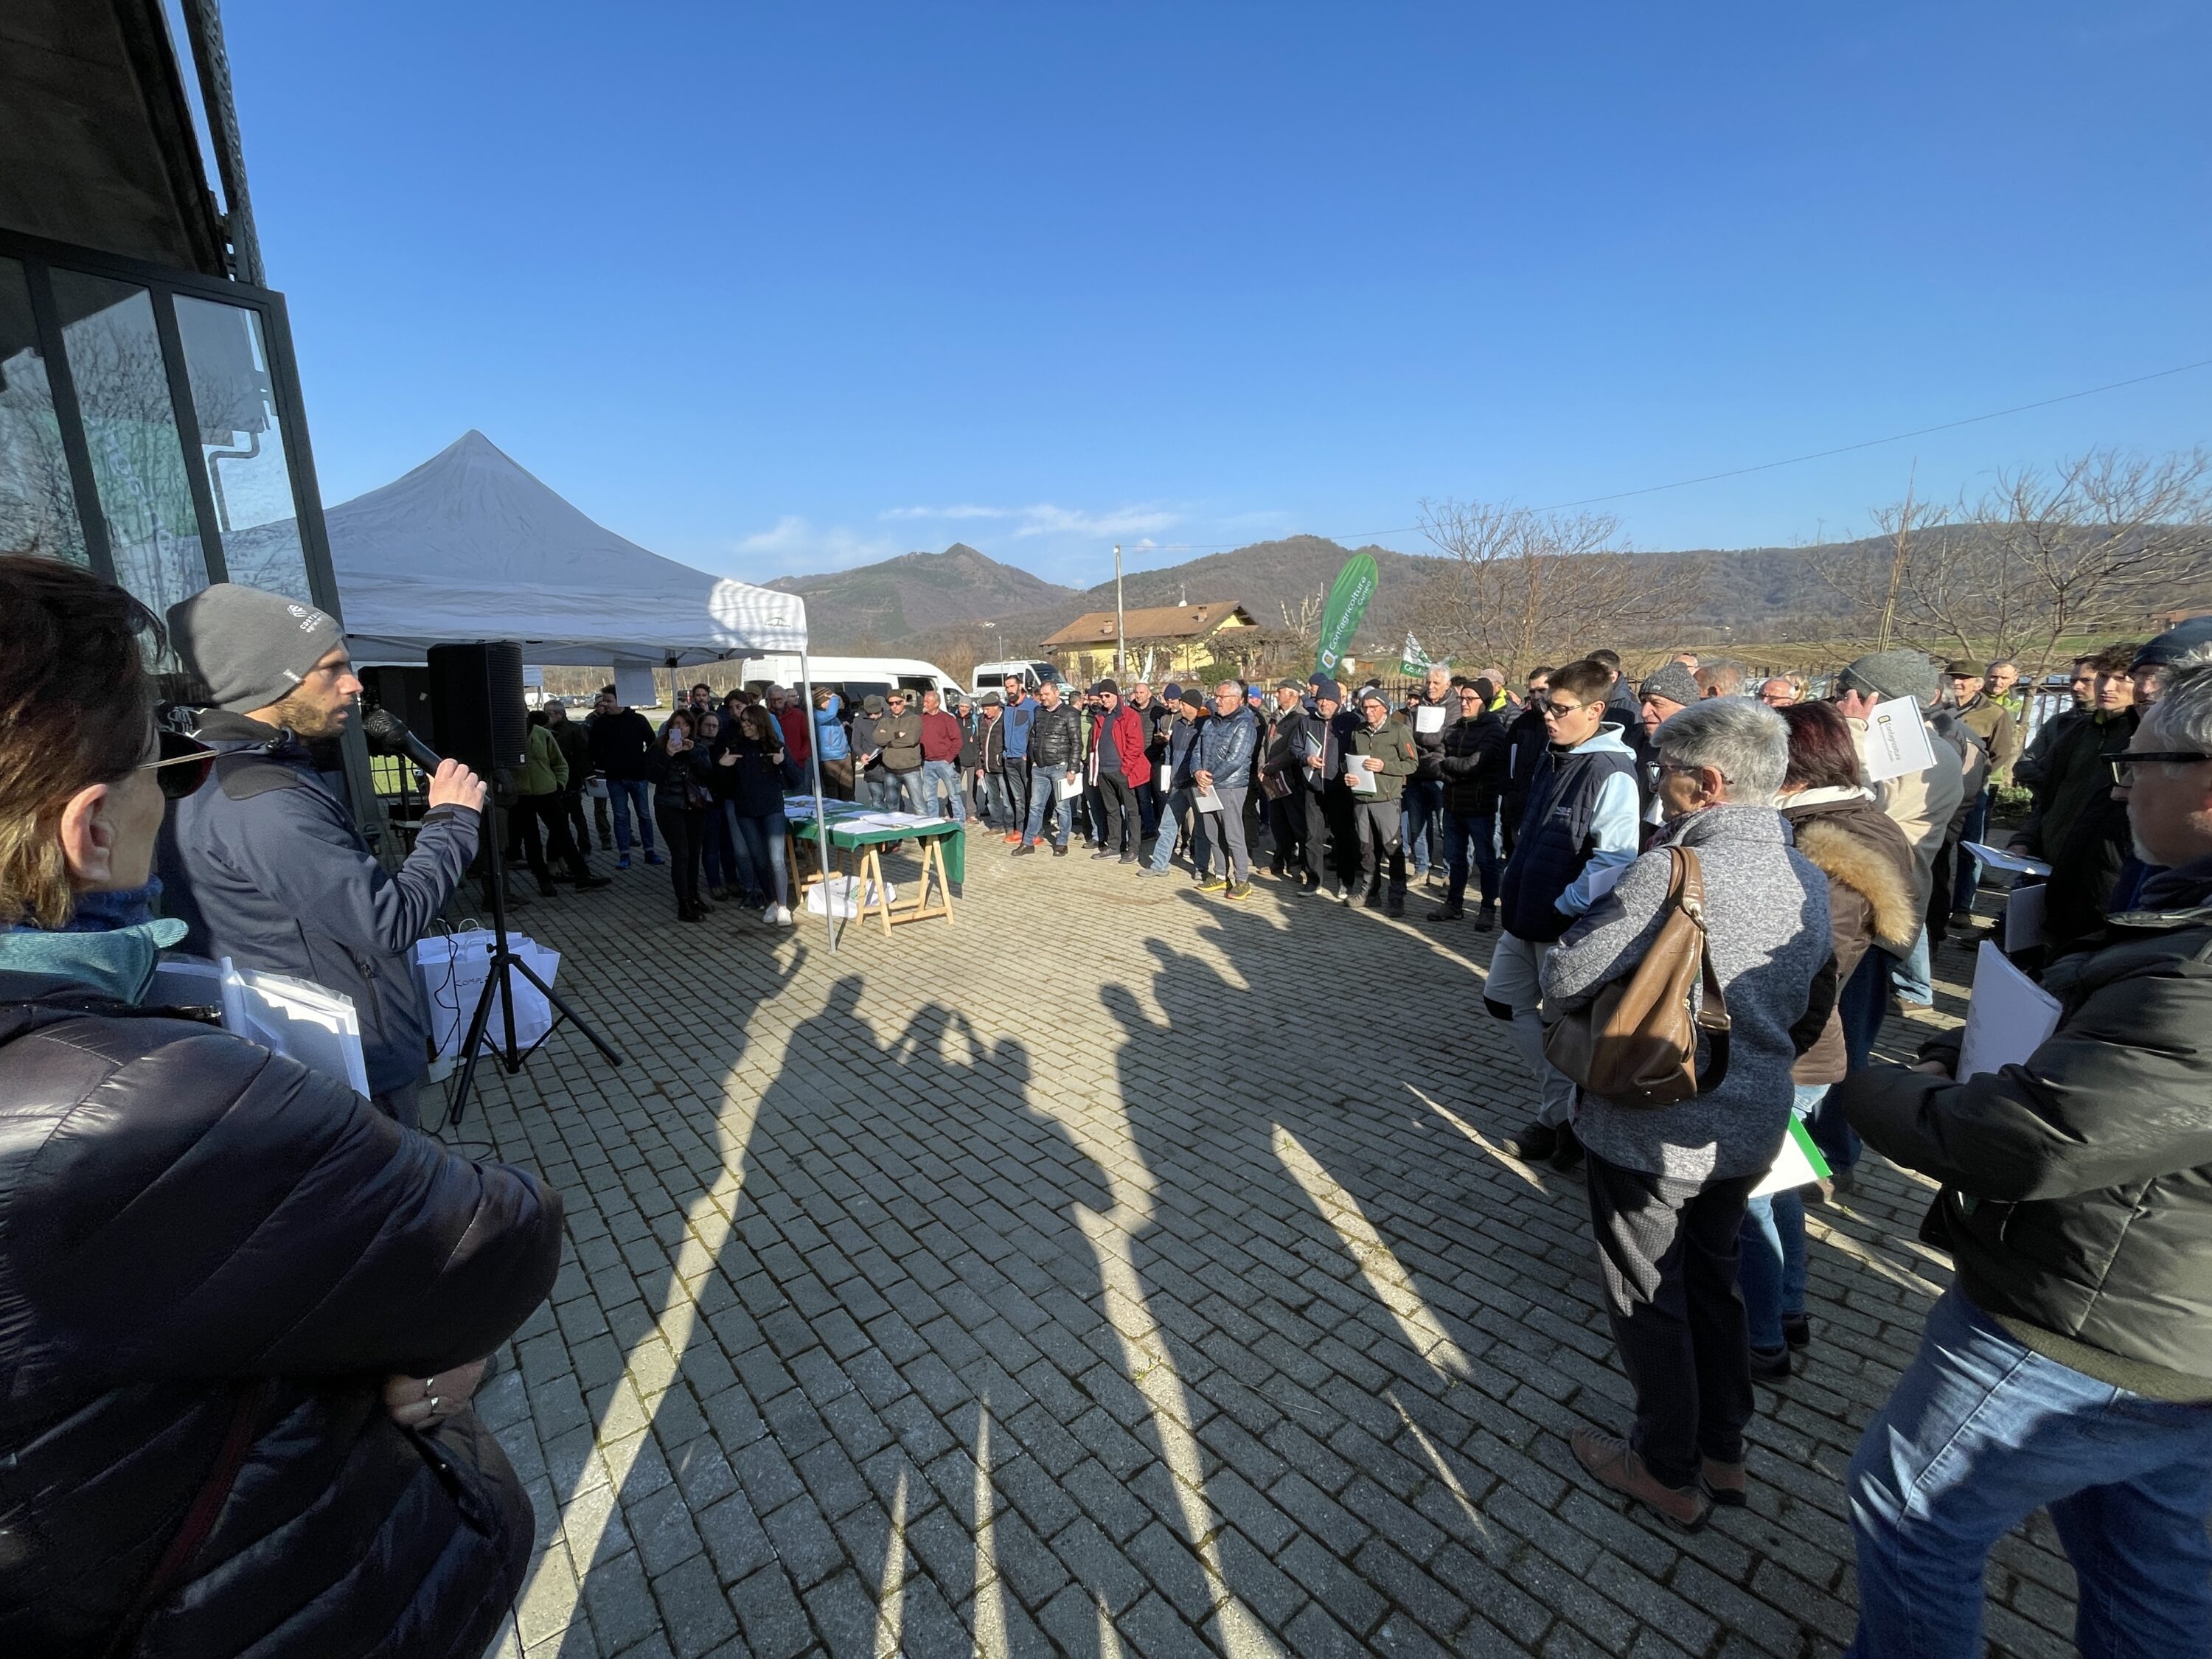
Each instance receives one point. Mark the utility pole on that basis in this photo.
(1121, 643)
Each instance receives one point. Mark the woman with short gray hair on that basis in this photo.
(1667, 1184)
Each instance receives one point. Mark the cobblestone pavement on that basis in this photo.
(1090, 1276)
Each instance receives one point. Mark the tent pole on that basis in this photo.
(821, 818)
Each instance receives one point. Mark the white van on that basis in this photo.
(852, 678)
(991, 676)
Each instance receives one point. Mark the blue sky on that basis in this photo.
(782, 288)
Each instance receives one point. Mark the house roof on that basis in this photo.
(1165, 622)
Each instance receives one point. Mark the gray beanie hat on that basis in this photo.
(1897, 674)
(252, 648)
(1672, 682)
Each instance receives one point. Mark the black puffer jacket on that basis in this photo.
(1471, 759)
(2077, 1187)
(187, 1221)
(1056, 737)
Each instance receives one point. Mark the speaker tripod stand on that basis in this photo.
(499, 982)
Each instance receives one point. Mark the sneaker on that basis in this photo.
(623, 863)
(1128, 858)
(1146, 870)
(1374, 901)
(1611, 1462)
(1213, 885)
(651, 857)
(1013, 837)
(1486, 919)
(1725, 1483)
(1449, 912)
(1238, 890)
(1533, 1145)
(780, 915)
(1395, 906)
(1962, 920)
(1026, 846)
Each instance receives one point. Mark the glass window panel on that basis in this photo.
(138, 458)
(38, 505)
(242, 445)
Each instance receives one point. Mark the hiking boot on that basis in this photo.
(1486, 919)
(1611, 1462)
(1238, 890)
(1449, 912)
(1533, 1145)
(1570, 1154)
(1213, 885)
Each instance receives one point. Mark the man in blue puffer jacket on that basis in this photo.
(1581, 827)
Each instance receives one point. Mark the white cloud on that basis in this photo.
(796, 548)
(1045, 519)
(963, 511)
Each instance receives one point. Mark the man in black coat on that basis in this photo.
(2069, 1365)
(265, 865)
(622, 744)
(1525, 742)
(1471, 765)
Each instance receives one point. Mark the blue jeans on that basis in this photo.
(1980, 1431)
(744, 874)
(625, 796)
(945, 775)
(1975, 828)
(763, 840)
(1176, 816)
(1860, 1009)
(1480, 831)
(1424, 807)
(1771, 1250)
(1015, 780)
(998, 803)
(1044, 782)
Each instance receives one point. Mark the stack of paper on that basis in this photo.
(309, 1023)
(1896, 740)
(2007, 1019)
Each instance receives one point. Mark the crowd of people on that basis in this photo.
(243, 1310)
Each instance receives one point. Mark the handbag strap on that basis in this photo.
(1712, 1006)
(246, 1398)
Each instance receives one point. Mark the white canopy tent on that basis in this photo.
(469, 546)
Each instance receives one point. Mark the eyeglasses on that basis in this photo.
(2123, 766)
(1560, 711)
(188, 761)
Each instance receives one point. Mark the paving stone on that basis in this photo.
(942, 1192)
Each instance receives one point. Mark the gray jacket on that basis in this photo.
(1766, 916)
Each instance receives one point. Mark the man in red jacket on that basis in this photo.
(1118, 769)
(798, 739)
(940, 757)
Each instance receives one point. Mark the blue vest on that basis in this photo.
(1554, 842)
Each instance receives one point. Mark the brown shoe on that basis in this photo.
(1724, 1483)
(1612, 1463)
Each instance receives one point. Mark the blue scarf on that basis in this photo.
(110, 943)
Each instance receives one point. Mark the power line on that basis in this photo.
(1357, 536)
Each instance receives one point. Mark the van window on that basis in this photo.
(917, 683)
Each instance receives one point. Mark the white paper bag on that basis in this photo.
(452, 970)
(841, 896)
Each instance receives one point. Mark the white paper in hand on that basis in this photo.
(1799, 1164)
(2018, 863)
(2023, 918)
(1360, 780)
(2008, 1018)
(1896, 740)
(1428, 718)
(1205, 800)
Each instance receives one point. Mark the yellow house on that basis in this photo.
(1179, 638)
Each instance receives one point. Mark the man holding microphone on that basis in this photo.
(266, 866)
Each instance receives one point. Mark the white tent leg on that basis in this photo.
(821, 818)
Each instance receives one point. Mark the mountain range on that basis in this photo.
(936, 605)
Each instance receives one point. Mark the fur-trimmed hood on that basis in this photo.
(1846, 856)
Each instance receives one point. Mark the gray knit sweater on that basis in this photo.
(1766, 908)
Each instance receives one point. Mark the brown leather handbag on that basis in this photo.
(1637, 1043)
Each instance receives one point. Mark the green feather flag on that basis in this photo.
(1346, 605)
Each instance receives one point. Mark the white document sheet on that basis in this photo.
(1069, 787)
(2023, 918)
(1360, 780)
(1799, 1164)
(1428, 718)
(1897, 740)
(2007, 1019)
(315, 1025)
(2018, 864)
(1206, 801)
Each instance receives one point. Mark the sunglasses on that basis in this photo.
(185, 764)
(2123, 768)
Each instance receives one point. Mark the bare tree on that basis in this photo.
(1881, 592)
(1522, 587)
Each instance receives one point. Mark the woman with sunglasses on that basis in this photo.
(241, 1312)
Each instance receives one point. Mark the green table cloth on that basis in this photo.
(844, 833)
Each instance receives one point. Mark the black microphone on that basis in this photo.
(388, 735)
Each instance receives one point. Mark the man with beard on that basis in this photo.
(265, 865)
